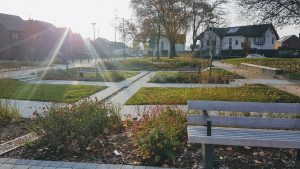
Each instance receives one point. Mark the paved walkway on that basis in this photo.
(6, 163)
(257, 77)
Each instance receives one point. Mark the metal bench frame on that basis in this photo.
(240, 123)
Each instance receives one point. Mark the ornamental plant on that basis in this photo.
(76, 128)
(161, 134)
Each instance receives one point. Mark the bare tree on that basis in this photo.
(246, 45)
(204, 14)
(171, 17)
(279, 12)
(147, 12)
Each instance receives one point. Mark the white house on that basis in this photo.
(164, 45)
(223, 40)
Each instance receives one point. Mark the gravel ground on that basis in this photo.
(190, 158)
(14, 130)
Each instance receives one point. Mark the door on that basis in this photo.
(230, 43)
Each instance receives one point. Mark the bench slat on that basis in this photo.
(258, 107)
(250, 122)
(245, 137)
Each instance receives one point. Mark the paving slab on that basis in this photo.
(34, 162)
(91, 166)
(21, 162)
(40, 164)
(22, 167)
(35, 167)
(7, 166)
(44, 163)
(79, 165)
(103, 166)
(3, 160)
(68, 164)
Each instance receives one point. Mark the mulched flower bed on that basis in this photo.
(105, 148)
(13, 130)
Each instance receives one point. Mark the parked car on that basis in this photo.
(255, 56)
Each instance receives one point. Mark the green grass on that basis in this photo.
(218, 76)
(149, 63)
(12, 89)
(291, 67)
(173, 96)
(101, 76)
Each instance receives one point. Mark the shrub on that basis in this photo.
(218, 76)
(77, 127)
(8, 113)
(60, 74)
(161, 135)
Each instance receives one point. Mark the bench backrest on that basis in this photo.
(249, 122)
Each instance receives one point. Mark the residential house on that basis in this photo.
(164, 45)
(40, 40)
(120, 49)
(288, 46)
(103, 47)
(11, 28)
(228, 41)
(79, 46)
(288, 42)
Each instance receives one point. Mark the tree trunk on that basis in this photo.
(172, 49)
(157, 44)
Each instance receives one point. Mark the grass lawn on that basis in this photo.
(173, 96)
(149, 63)
(218, 76)
(101, 76)
(13, 89)
(291, 66)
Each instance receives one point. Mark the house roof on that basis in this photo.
(45, 25)
(248, 30)
(284, 38)
(12, 22)
(119, 45)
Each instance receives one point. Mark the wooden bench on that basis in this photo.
(243, 131)
(264, 69)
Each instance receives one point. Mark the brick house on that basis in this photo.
(41, 38)
(288, 42)
(11, 35)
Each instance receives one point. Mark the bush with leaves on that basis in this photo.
(161, 135)
(76, 128)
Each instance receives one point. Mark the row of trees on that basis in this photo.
(170, 18)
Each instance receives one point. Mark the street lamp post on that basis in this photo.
(123, 20)
(94, 30)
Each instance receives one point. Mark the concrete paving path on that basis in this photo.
(8, 163)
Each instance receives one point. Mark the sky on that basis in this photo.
(80, 14)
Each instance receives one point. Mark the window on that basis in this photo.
(208, 43)
(259, 40)
(236, 42)
(15, 36)
(273, 41)
(232, 30)
(214, 42)
(202, 43)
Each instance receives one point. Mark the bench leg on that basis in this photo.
(208, 159)
(298, 155)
